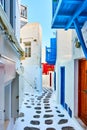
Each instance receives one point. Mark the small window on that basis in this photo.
(23, 11)
(27, 49)
(27, 52)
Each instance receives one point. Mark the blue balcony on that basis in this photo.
(51, 52)
(70, 14)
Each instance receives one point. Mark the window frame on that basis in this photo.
(27, 49)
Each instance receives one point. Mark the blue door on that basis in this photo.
(62, 69)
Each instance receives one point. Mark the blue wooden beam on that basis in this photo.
(79, 33)
(56, 12)
(73, 1)
(77, 13)
(69, 16)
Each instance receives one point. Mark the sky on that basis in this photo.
(41, 11)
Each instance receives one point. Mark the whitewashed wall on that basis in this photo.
(64, 54)
(43, 55)
(31, 32)
(64, 45)
(8, 51)
(64, 59)
(32, 65)
(32, 75)
(45, 80)
(69, 85)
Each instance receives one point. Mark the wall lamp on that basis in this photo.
(77, 43)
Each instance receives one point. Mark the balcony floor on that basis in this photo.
(40, 111)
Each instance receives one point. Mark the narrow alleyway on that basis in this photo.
(40, 112)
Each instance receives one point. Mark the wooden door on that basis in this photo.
(82, 92)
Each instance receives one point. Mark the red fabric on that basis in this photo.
(46, 68)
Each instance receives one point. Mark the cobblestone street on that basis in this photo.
(40, 112)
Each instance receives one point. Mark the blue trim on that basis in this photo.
(66, 106)
(79, 33)
(70, 112)
(68, 109)
(62, 86)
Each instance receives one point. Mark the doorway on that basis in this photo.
(62, 72)
(82, 91)
(7, 106)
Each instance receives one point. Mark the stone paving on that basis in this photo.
(40, 112)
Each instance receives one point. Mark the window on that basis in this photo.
(23, 11)
(27, 49)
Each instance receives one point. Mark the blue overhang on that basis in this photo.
(70, 14)
(66, 11)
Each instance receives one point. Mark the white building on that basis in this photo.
(71, 65)
(10, 53)
(70, 59)
(31, 37)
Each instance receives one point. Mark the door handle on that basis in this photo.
(85, 91)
